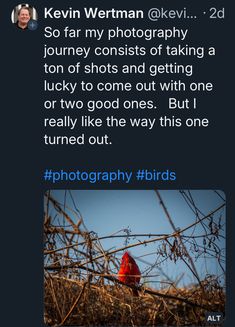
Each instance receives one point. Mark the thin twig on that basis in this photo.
(194, 270)
(74, 305)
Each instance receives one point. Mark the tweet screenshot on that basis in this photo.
(118, 120)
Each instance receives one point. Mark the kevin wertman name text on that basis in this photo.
(92, 13)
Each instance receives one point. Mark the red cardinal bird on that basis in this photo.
(129, 272)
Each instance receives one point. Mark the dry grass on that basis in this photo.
(71, 302)
(80, 281)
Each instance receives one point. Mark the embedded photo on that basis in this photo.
(134, 257)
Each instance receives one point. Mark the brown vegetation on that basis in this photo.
(81, 286)
(71, 302)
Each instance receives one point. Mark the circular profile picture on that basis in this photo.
(24, 17)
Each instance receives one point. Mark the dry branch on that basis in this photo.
(72, 254)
